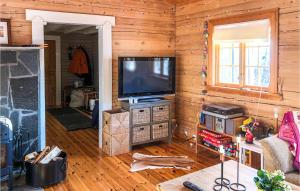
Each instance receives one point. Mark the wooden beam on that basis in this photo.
(76, 29)
(71, 18)
(52, 27)
(92, 30)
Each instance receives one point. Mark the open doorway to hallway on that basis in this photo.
(71, 75)
(104, 25)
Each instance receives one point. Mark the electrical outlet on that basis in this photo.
(276, 113)
(186, 133)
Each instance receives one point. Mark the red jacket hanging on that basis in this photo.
(79, 63)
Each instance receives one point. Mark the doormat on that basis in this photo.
(70, 118)
(143, 162)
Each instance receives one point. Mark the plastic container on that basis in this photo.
(92, 104)
(42, 175)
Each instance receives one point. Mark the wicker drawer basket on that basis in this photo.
(160, 130)
(141, 134)
(141, 116)
(161, 113)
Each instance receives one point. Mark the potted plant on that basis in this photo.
(275, 181)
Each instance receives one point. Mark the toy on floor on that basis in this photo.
(249, 125)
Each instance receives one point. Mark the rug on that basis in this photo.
(143, 162)
(70, 118)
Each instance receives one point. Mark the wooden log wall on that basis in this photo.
(143, 28)
(190, 16)
(147, 28)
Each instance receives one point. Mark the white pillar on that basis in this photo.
(38, 38)
(105, 71)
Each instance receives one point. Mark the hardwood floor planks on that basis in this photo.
(90, 170)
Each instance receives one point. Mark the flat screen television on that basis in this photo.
(146, 76)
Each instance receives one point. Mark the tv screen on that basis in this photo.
(145, 76)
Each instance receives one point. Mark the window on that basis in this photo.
(228, 63)
(243, 52)
(166, 67)
(157, 66)
(130, 66)
(161, 67)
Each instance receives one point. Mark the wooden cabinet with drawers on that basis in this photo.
(149, 121)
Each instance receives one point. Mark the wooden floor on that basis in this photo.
(90, 170)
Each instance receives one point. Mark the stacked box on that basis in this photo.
(115, 137)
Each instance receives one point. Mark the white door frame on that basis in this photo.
(104, 25)
(58, 66)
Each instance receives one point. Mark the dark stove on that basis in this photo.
(6, 143)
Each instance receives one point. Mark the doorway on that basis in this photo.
(104, 26)
(78, 75)
(50, 73)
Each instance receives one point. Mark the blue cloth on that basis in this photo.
(95, 115)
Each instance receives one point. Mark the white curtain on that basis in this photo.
(245, 31)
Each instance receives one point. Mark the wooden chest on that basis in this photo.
(115, 137)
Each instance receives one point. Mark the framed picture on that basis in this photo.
(5, 33)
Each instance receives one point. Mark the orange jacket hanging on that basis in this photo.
(79, 63)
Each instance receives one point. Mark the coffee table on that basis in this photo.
(205, 178)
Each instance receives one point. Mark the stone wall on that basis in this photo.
(19, 71)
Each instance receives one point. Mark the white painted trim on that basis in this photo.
(39, 19)
(58, 66)
(105, 88)
(69, 18)
(38, 38)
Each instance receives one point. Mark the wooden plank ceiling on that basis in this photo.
(70, 29)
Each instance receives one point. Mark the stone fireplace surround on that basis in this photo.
(19, 76)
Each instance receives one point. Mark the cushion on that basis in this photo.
(293, 177)
(277, 155)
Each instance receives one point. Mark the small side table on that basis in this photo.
(255, 147)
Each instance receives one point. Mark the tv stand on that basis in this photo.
(149, 121)
(153, 99)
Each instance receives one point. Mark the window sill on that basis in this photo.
(248, 93)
